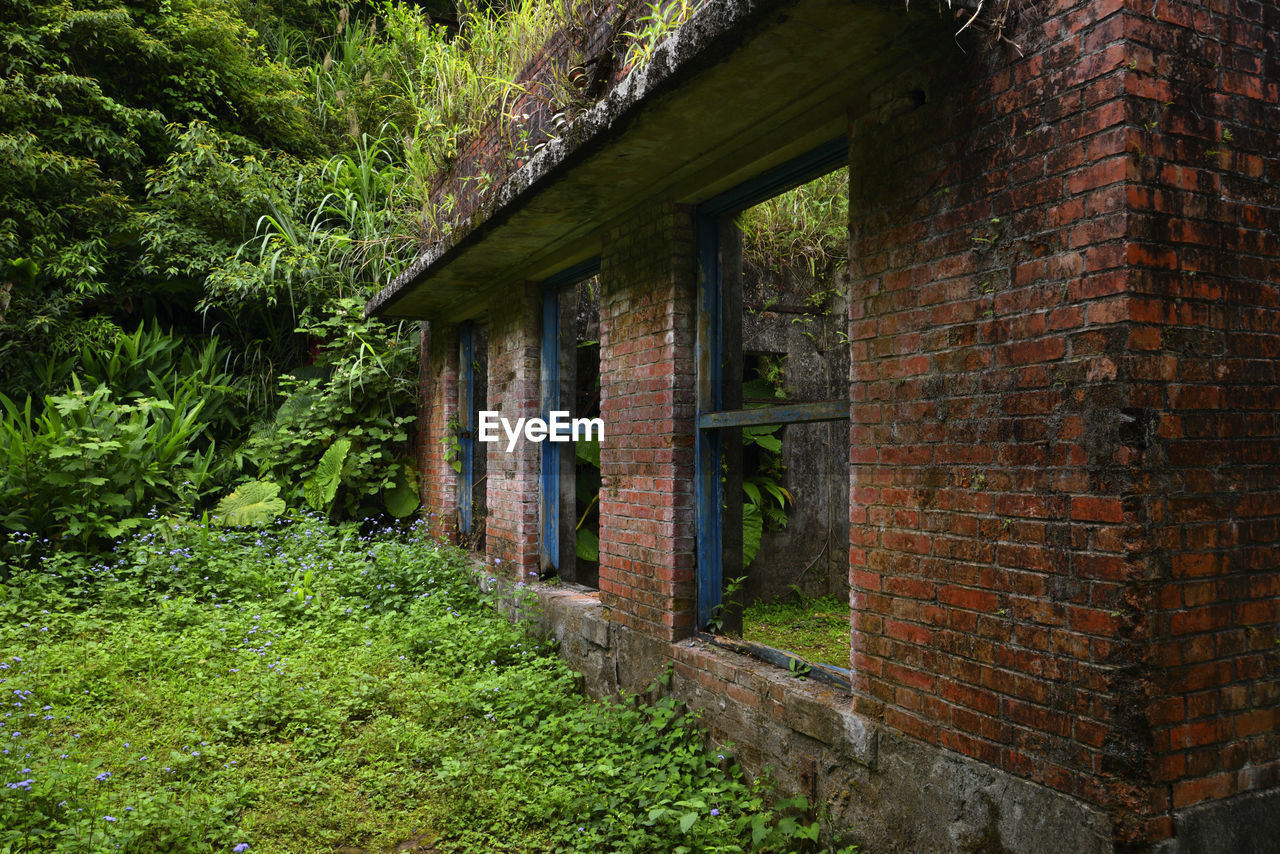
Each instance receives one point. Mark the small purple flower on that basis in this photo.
(243, 846)
(715, 811)
(103, 777)
(108, 818)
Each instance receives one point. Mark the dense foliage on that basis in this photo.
(245, 172)
(171, 166)
(98, 102)
(304, 688)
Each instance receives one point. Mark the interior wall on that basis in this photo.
(802, 318)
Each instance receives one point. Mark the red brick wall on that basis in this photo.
(647, 537)
(1065, 407)
(1042, 393)
(1204, 285)
(438, 394)
(511, 487)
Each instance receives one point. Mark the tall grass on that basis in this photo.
(805, 228)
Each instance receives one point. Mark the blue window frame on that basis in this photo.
(712, 417)
(556, 550)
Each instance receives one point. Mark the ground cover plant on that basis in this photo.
(816, 629)
(301, 687)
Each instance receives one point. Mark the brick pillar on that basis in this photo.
(438, 382)
(511, 488)
(647, 536)
(1065, 323)
(1204, 353)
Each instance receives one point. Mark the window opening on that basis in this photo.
(473, 383)
(570, 486)
(773, 464)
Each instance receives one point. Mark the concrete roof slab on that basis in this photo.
(737, 90)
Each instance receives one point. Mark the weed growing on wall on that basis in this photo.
(660, 20)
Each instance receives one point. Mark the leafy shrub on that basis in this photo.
(362, 405)
(136, 430)
(89, 467)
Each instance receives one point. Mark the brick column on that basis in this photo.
(1065, 323)
(1204, 350)
(647, 536)
(511, 488)
(439, 408)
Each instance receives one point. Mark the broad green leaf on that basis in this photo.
(587, 545)
(321, 487)
(772, 444)
(402, 498)
(252, 503)
(588, 451)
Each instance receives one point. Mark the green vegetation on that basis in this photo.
(661, 19)
(300, 687)
(817, 629)
(135, 430)
(240, 176)
(235, 180)
(197, 197)
(805, 228)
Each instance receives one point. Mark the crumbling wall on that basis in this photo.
(437, 419)
(1063, 324)
(513, 391)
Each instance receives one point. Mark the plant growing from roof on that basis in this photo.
(663, 18)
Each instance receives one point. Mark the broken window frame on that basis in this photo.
(557, 549)
(720, 412)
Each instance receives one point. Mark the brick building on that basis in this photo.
(1063, 404)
